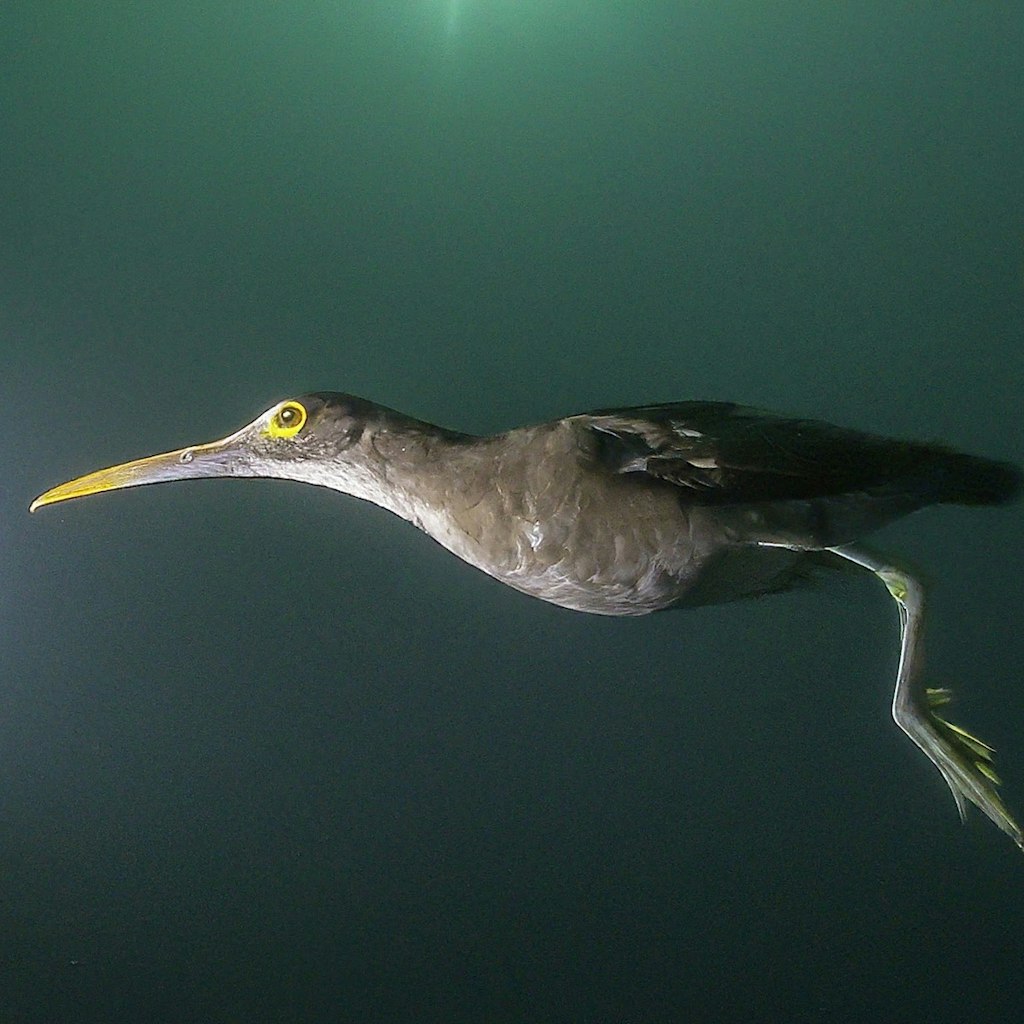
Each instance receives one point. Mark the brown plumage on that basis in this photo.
(630, 511)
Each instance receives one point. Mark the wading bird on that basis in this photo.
(631, 511)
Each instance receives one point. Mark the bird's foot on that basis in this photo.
(965, 763)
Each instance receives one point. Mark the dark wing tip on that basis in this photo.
(977, 481)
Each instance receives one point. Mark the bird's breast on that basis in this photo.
(628, 556)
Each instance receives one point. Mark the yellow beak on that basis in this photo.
(218, 458)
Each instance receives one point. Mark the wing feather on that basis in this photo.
(725, 453)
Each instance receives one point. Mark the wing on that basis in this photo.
(723, 453)
(788, 481)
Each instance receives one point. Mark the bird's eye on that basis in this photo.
(289, 419)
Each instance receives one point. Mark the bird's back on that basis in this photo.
(626, 511)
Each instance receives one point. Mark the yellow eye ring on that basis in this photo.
(289, 419)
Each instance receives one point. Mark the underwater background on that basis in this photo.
(269, 754)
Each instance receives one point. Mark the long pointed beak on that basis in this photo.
(218, 458)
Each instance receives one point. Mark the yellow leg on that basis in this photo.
(964, 761)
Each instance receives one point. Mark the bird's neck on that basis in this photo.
(403, 465)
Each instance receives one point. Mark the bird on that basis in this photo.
(634, 510)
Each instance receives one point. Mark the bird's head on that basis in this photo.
(322, 438)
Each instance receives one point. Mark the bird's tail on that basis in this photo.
(972, 480)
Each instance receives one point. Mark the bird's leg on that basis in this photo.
(964, 761)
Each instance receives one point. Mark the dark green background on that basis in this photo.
(268, 754)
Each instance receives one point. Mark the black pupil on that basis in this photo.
(287, 415)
